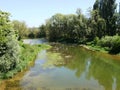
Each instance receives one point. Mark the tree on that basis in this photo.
(96, 5)
(106, 10)
(33, 32)
(97, 25)
(118, 21)
(81, 26)
(42, 31)
(70, 28)
(55, 27)
(21, 28)
(118, 24)
(9, 48)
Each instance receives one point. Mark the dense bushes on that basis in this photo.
(9, 47)
(27, 55)
(111, 42)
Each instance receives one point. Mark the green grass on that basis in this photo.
(98, 48)
(28, 55)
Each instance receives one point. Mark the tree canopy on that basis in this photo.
(9, 47)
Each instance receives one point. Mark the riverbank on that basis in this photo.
(97, 48)
(28, 55)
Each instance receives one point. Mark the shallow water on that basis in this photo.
(34, 41)
(69, 67)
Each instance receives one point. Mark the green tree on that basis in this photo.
(9, 48)
(55, 27)
(107, 10)
(42, 31)
(69, 28)
(81, 26)
(98, 25)
(33, 32)
(118, 23)
(21, 28)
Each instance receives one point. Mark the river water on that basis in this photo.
(68, 67)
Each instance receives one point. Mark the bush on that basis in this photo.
(9, 47)
(96, 40)
(105, 41)
(111, 42)
(115, 45)
(28, 55)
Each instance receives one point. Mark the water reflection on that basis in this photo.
(70, 67)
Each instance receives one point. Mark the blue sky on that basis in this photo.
(35, 12)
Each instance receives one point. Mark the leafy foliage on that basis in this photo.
(27, 55)
(107, 9)
(70, 28)
(21, 28)
(9, 48)
(28, 32)
(113, 43)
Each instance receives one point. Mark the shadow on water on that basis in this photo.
(69, 67)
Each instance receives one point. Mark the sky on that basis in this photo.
(35, 12)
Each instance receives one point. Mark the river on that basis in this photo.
(68, 67)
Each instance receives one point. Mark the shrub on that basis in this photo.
(96, 40)
(9, 48)
(105, 41)
(115, 45)
(111, 42)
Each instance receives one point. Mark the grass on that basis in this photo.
(98, 48)
(28, 55)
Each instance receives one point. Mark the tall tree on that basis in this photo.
(42, 31)
(96, 5)
(107, 10)
(118, 21)
(98, 25)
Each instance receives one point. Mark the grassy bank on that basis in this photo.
(28, 54)
(96, 48)
(107, 44)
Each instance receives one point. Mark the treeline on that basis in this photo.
(103, 20)
(28, 32)
(102, 28)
